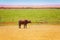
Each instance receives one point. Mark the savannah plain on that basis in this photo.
(45, 24)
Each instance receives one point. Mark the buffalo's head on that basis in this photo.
(29, 21)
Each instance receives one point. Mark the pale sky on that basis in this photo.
(29, 2)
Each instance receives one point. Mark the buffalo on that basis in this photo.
(23, 22)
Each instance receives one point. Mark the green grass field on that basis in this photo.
(51, 16)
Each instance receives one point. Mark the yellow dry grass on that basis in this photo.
(33, 32)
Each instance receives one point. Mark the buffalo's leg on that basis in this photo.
(25, 25)
(19, 25)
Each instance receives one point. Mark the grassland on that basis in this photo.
(51, 16)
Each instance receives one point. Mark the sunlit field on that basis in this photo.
(33, 32)
(47, 30)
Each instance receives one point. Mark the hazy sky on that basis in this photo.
(29, 2)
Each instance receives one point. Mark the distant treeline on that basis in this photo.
(29, 7)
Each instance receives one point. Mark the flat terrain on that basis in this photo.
(39, 31)
(33, 32)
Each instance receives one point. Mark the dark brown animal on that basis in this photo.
(24, 22)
